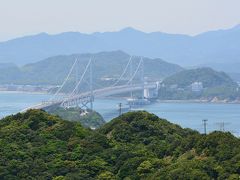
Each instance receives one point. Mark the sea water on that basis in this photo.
(188, 115)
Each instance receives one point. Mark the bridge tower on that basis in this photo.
(91, 84)
(140, 72)
(75, 98)
(131, 74)
(77, 74)
(142, 77)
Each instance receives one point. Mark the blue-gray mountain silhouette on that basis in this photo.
(222, 46)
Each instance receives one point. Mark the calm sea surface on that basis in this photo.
(185, 114)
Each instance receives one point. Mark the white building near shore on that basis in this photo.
(197, 86)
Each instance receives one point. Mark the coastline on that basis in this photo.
(25, 92)
(200, 101)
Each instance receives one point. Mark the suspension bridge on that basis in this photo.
(86, 99)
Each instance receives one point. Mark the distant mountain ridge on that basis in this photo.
(222, 46)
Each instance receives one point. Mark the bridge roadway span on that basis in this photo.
(108, 91)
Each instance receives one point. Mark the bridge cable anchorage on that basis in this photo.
(136, 71)
(123, 73)
(65, 81)
(79, 82)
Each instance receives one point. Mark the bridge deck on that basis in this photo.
(104, 92)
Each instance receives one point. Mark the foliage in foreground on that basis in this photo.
(136, 145)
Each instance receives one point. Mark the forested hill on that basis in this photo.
(215, 86)
(54, 70)
(136, 145)
(207, 76)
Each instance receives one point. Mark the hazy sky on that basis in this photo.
(25, 17)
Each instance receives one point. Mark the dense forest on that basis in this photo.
(136, 145)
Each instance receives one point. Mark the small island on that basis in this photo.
(88, 118)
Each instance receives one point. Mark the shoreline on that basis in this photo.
(24, 92)
(198, 101)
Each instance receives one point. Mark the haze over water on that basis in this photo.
(188, 115)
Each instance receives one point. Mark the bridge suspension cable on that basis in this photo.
(136, 71)
(81, 79)
(124, 71)
(65, 81)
